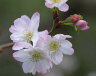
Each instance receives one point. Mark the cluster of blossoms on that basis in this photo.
(62, 6)
(77, 22)
(37, 50)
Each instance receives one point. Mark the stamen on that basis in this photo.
(56, 1)
(28, 36)
(54, 46)
(36, 55)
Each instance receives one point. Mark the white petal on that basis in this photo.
(41, 67)
(63, 7)
(63, 2)
(26, 19)
(68, 36)
(68, 51)
(66, 44)
(21, 45)
(16, 37)
(12, 29)
(62, 37)
(35, 38)
(21, 56)
(47, 64)
(49, 1)
(48, 5)
(29, 67)
(57, 57)
(35, 21)
(43, 33)
(20, 24)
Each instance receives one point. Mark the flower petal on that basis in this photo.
(57, 57)
(42, 38)
(12, 29)
(29, 67)
(41, 67)
(85, 28)
(62, 37)
(35, 21)
(48, 5)
(16, 37)
(63, 7)
(35, 38)
(64, 1)
(21, 45)
(21, 56)
(49, 1)
(68, 51)
(26, 19)
(66, 44)
(20, 23)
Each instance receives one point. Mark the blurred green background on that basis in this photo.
(84, 42)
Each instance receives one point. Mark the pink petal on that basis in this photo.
(42, 38)
(85, 28)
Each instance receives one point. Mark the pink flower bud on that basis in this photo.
(82, 25)
(75, 18)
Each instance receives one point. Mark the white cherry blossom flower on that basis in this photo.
(57, 46)
(60, 4)
(34, 60)
(25, 29)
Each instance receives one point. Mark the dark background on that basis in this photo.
(84, 42)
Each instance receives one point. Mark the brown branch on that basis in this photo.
(2, 47)
(55, 20)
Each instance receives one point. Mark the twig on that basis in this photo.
(53, 28)
(2, 47)
(55, 20)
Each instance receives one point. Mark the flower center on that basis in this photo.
(56, 1)
(54, 46)
(28, 36)
(36, 55)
